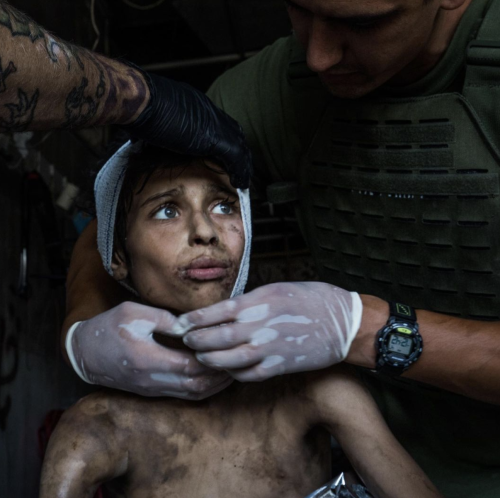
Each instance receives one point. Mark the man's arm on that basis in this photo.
(84, 451)
(46, 82)
(462, 356)
(345, 408)
(313, 324)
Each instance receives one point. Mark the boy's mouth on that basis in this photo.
(205, 268)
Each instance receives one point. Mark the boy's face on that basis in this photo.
(185, 239)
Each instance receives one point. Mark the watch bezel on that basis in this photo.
(383, 354)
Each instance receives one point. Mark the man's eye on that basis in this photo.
(223, 208)
(166, 213)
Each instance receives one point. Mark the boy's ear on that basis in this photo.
(119, 267)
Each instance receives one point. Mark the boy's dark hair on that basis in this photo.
(141, 165)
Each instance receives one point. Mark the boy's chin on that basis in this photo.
(196, 300)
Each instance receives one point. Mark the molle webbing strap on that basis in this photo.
(383, 183)
(417, 134)
(482, 78)
(388, 158)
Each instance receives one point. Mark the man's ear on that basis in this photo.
(119, 266)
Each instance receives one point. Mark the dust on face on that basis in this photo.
(185, 239)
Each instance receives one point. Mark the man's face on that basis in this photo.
(185, 239)
(356, 46)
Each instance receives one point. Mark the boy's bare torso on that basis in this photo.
(251, 440)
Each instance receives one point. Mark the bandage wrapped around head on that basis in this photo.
(107, 190)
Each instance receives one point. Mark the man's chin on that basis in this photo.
(353, 87)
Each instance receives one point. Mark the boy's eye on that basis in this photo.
(166, 213)
(223, 208)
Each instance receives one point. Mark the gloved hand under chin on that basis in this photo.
(117, 349)
(276, 329)
(181, 118)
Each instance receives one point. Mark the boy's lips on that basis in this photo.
(205, 268)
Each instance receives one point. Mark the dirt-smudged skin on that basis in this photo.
(250, 440)
(223, 446)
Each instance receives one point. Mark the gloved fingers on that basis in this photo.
(269, 367)
(232, 335)
(215, 339)
(165, 321)
(176, 361)
(167, 383)
(236, 158)
(240, 357)
(137, 320)
(170, 372)
(203, 389)
(216, 388)
(220, 313)
(152, 358)
(205, 386)
(181, 118)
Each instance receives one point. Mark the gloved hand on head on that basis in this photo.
(180, 118)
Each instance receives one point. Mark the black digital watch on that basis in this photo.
(398, 343)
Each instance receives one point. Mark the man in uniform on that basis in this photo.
(378, 120)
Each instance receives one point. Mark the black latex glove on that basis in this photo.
(181, 118)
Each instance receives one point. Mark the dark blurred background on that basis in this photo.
(41, 175)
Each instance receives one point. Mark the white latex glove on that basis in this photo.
(117, 349)
(276, 329)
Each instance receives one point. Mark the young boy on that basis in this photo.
(180, 239)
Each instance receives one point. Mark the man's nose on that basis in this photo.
(324, 45)
(203, 230)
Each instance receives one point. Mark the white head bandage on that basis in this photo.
(107, 188)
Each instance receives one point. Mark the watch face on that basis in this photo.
(399, 344)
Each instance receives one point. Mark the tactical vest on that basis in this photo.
(400, 198)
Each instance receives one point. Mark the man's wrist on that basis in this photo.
(375, 315)
(128, 94)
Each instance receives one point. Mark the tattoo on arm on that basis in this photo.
(21, 113)
(95, 86)
(4, 74)
(19, 24)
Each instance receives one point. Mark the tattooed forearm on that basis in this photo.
(21, 113)
(71, 87)
(4, 74)
(19, 24)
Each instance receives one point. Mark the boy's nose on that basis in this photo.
(203, 231)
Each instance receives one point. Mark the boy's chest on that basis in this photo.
(257, 451)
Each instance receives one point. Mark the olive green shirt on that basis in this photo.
(462, 460)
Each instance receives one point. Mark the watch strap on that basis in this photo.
(388, 369)
(402, 311)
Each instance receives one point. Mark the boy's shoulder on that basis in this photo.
(106, 408)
